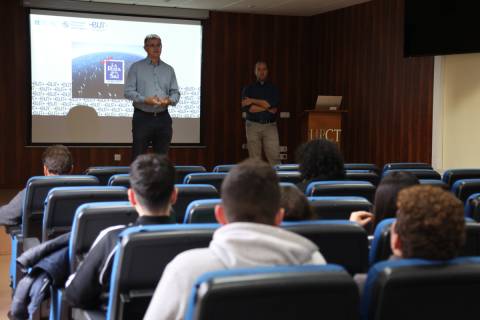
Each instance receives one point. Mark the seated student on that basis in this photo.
(296, 207)
(430, 225)
(250, 213)
(385, 205)
(152, 193)
(319, 160)
(56, 160)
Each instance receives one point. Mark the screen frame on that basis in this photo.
(28, 84)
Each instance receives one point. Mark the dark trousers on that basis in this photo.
(151, 128)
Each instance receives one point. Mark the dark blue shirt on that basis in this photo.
(263, 91)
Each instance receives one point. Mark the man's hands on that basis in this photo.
(257, 105)
(156, 101)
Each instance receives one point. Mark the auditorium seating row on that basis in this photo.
(133, 279)
(84, 196)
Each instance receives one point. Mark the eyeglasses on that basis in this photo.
(154, 45)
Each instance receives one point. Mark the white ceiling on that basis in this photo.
(276, 7)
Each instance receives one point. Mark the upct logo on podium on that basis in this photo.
(114, 72)
(328, 134)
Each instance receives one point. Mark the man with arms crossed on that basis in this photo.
(152, 86)
(260, 102)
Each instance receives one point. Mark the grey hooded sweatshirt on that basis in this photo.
(235, 245)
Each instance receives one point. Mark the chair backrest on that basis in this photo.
(120, 180)
(465, 188)
(191, 192)
(362, 166)
(281, 292)
(90, 219)
(380, 248)
(338, 208)
(182, 171)
(341, 188)
(289, 176)
(223, 167)
(419, 173)
(36, 191)
(452, 175)
(422, 289)
(104, 173)
(201, 211)
(213, 178)
(472, 207)
(135, 274)
(61, 204)
(341, 242)
(435, 183)
(406, 165)
(287, 167)
(362, 175)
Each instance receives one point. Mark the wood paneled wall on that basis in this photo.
(360, 56)
(355, 52)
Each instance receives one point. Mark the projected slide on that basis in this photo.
(79, 65)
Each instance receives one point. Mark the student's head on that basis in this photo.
(387, 191)
(430, 224)
(152, 189)
(57, 160)
(320, 159)
(250, 193)
(295, 204)
(261, 70)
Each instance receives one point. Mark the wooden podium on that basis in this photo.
(323, 124)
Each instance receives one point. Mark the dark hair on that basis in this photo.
(430, 223)
(250, 193)
(57, 159)
(320, 159)
(295, 204)
(152, 178)
(387, 191)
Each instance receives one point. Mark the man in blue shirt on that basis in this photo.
(152, 86)
(260, 103)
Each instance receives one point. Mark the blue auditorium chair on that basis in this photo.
(341, 242)
(465, 188)
(406, 165)
(104, 173)
(341, 188)
(135, 274)
(289, 176)
(191, 192)
(61, 204)
(287, 167)
(472, 207)
(201, 211)
(380, 248)
(419, 173)
(362, 166)
(434, 183)
(280, 292)
(223, 167)
(362, 175)
(452, 175)
(418, 289)
(30, 231)
(338, 208)
(213, 178)
(182, 171)
(120, 180)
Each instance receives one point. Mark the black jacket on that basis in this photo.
(92, 278)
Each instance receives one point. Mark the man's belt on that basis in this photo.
(262, 121)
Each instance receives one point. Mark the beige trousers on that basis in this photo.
(266, 136)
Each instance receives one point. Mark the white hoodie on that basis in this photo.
(235, 245)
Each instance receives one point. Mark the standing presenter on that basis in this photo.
(152, 86)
